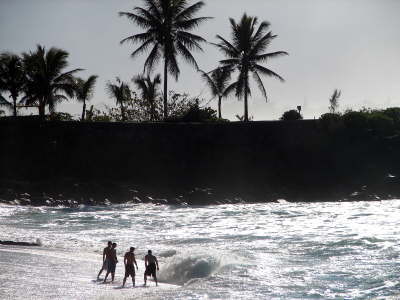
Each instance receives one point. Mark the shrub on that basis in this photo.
(355, 119)
(380, 122)
(393, 113)
(60, 116)
(331, 121)
(291, 115)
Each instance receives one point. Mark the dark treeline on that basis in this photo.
(258, 161)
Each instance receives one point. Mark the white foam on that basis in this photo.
(182, 268)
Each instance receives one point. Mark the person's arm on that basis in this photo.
(104, 254)
(145, 261)
(156, 263)
(125, 259)
(115, 256)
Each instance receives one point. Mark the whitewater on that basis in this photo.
(250, 251)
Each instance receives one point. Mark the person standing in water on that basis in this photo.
(151, 263)
(129, 260)
(112, 262)
(105, 261)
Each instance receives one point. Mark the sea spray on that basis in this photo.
(183, 267)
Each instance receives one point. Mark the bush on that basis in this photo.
(291, 115)
(331, 121)
(393, 113)
(380, 122)
(60, 116)
(197, 114)
(355, 119)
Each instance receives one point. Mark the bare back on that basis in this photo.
(130, 258)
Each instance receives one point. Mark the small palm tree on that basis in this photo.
(121, 93)
(12, 79)
(168, 24)
(149, 91)
(84, 91)
(245, 54)
(46, 83)
(218, 82)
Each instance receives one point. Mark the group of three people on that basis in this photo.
(110, 261)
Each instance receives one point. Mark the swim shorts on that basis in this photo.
(130, 270)
(150, 270)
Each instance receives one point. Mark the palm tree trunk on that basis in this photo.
(122, 112)
(165, 89)
(14, 105)
(246, 111)
(219, 108)
(42, 111)
(83, 111)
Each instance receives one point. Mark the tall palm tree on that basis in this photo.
(245, 54)
(12, 78)
(149, 91)
(84, 91)
(46, 83)
(168, 24)
(121, 93)
(218, 82)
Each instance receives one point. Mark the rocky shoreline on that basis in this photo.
(72, 193)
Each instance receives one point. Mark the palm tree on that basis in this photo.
(84, 91)
(12, 78)
(46, 83)
(218, 83)
(121, 92)
(168, 24)
(149, 91)
(245, 53)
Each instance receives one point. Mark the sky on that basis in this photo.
(352, 45)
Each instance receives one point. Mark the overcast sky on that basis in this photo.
(353, 45)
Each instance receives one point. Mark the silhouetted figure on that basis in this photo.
(105, 261)
(151, 264)
(129, 260)
(112, 262)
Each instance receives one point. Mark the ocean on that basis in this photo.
(342, 250)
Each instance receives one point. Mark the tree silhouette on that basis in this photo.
(84, 91)
(245, 54)
(121, 93)
(218, 82)
(149, 91)
(12, 79)
(46, 84)
(168, 24)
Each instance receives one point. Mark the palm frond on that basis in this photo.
(138, 20)
(268, 72)
(266, 56)
(260, 84)
(189, 12)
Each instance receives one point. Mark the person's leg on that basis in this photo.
(112, 276)
(145, 278)
(98, 275)
(123, 283)
(105, 278)
(133, 280)
(155, 279)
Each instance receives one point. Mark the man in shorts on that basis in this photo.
(151, 264)
(105, 261)
(129, 260)
(112, 262)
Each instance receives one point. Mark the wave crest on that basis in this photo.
(182, 268)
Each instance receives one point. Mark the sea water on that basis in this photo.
(255, 251)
